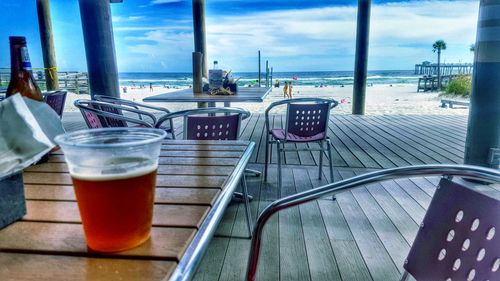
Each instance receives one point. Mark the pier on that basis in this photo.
(427, 68)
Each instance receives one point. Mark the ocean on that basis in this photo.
(309, 78)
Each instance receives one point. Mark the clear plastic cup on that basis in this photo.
(114, 177)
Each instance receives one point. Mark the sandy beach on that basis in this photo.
(380, 100)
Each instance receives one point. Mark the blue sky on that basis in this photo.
(294, 35)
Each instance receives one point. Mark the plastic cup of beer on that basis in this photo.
(114, 177)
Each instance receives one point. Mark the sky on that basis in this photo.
(294, 35)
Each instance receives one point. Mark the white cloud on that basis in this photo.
(126, 19)
(320, 38)
(156, 2)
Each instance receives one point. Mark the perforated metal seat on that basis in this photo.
(279, 134)
(306, 121)
(101, 114)
(210, 126)
(459, 238)
(56, 100)
(133, 105)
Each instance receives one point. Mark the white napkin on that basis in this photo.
(27, 130)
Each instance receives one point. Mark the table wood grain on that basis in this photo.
(49, 243)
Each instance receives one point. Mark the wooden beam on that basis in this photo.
(361, 62)
(99, 47)
(47, 41)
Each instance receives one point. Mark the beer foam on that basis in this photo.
(113, 173)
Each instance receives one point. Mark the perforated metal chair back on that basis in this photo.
(213, 127)
(100, 114)
(459, 238)
(93, 121)
(307, 120)
(56, 101)
(113, 122)
(206, 124)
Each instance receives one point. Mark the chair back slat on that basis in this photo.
(113, 122)
(306, 120)
(459, 238)
(212, 127)
(56, 101)
(93, 121)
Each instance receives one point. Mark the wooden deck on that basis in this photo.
(363, 235)
(373, 142)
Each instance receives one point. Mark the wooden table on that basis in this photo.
(195, 183)
(244, 94)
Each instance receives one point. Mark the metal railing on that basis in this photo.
(474, 172)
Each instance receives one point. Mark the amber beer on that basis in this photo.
(116, 209)
(114, 176)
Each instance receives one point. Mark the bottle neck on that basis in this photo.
(19, 58)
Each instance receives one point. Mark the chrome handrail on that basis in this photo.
(474, 172)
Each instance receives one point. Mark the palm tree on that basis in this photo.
(472, 48)
(437, 47)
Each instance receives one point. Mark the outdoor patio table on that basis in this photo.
(195, 183)
(244, 94)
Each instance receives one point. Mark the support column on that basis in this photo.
(99, 47)
(361, 62)
(47, 40)
(483, 131)
(200, 37)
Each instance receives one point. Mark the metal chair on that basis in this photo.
(101, 114)
(56, 100)
(138, 106)
(458, 239)
(306, 121)
(205, 124)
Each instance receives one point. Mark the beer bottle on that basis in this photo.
(21, 77)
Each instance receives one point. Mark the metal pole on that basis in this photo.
(99, 47)
(361, 62)
(271, 78)
(47, 40)
(483, 131)
(267, 73)
(200, 41)
(259, 68)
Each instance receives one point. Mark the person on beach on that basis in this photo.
(151, 87)
(277, 83)
(290, 89)
(285, 90)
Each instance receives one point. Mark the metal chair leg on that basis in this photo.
(405, 276)
(329, 148)
(241, 197)
(253, 172)
(278, 150)
(267, 156)
(247, 205)
(320, 158)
